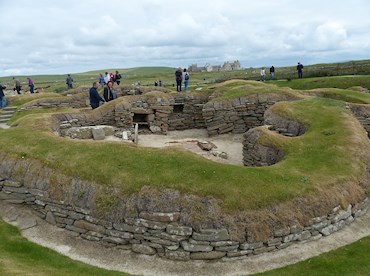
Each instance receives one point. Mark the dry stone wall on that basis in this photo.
(147, 230)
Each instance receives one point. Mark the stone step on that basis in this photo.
(3, 121)
(3, 117)
(10, 108)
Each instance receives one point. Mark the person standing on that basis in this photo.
(178, 75)
(300, 70)
(106, 77)
(95, 98)
(272, 72)
(185, 77)
(117, 77)
(109, 93)
(263, 74)
(2, 96)
(69, 81)
(17, 85)
(31, 85)
(101, 80)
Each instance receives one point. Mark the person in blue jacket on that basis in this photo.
(95, 98)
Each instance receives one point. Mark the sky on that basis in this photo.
(70, 36)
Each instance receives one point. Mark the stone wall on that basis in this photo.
(362, 113)
(147, 230)
(238, 115)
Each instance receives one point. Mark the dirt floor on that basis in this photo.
(231, 144)
(65, 242)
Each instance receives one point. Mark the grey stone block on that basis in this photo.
(143, 249)
(211, 235)
(213, 255)
(195, 247)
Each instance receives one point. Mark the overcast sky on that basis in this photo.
(68, 36)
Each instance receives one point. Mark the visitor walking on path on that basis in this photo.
(272, 72)
(178, 75)
(31, 85)
(95, 98)
(263, 74)
(106, 77)
(69, 82)
(17, 85)
(2, 96)
(185, 77)
(300, 70)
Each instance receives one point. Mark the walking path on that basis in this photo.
(64, 242)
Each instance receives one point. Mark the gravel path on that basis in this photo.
(64, 242)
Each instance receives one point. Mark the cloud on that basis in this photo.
(67, 35)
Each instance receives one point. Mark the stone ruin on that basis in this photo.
(146, 225)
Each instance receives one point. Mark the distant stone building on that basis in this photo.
(227, 66)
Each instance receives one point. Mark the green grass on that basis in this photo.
(342, 82)
(18, 256)
(350, 260)
(129, 168)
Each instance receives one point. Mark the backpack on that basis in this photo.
(186, 76)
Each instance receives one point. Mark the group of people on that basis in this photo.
(182, 76)
(114, 78)
(18, 86)
(109, 94)
(272, 72)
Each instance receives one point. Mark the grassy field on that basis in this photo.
(351, 260)
(18, 256)
(148, 75)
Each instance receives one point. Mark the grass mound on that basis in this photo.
(326, 155)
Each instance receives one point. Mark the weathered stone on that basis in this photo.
(75, 215)
(152, 224)
(179, 230)
(224, 243)
(98, 133)
(50, 218)
(114, 240)
(166, 236)
(129, 228)
(9, 183)
(206, 145)
(275, 241)
(76, 229)
(143, 249)
(227, 248)
(239, 253)
(247, 246)
(160, 241)
(120, 234)
(213, 255)
(160, 217)
(192, 241)
(178, 255)
(89, 226)
(195, 247)
(211, 235)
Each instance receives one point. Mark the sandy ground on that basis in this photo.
(64, 242)
(229, 143)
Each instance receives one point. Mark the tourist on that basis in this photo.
(185, 77)
(272, 72)
(101, 80)
(300, 70)
(17, 85)
(117, 78)
(31, 85)
(109, 93)
(263, 74)
(69, 82)
(111, 76)
(2, 96)
(106, 78)
(160, 83)
(95, 98)
(178, 75)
